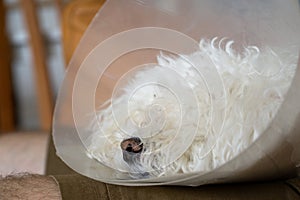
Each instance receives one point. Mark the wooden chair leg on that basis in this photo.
(6, 99)
(44, 94)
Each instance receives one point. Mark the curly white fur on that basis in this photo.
(254, 82)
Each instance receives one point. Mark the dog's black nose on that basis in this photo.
(132, 145)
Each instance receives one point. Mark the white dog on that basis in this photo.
(191, 113)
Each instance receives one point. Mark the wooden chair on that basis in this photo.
(15, 148)
(76, 16)
(23, 151)
(44, 94)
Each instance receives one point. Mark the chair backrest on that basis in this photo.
(43, 90)
(76, 16)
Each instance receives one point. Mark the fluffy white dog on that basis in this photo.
(191, 113)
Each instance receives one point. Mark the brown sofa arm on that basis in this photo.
(79, 187)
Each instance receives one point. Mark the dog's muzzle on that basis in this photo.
(132, 145)
(132, 148)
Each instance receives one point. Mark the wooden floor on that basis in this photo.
(23, 152)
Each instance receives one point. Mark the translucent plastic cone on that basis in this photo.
(183, 93)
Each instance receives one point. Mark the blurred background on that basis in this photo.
(22, 63)
(37, 39)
